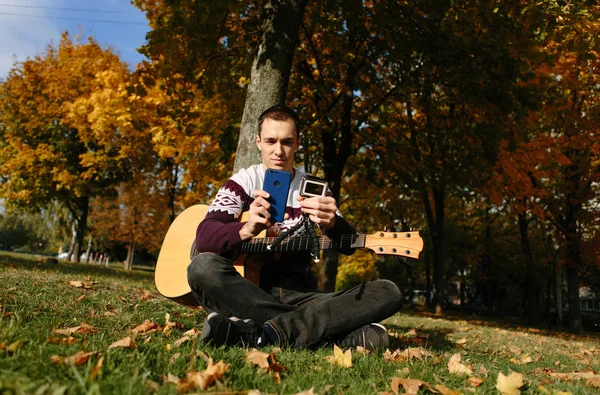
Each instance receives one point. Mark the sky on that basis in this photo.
(27, 27)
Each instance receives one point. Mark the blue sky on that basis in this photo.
(28, 26)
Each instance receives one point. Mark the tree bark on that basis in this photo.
(532, 287)
(270, 72)
(80, 214)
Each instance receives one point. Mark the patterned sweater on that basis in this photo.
(219, 231)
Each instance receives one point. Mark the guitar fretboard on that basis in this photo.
(303, 243)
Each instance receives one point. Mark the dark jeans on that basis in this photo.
(301, 319)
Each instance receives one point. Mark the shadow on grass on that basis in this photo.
(435, 339)
(508, 323)
(37, 263)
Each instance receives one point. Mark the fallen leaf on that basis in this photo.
(340, 357)
(192, 332)
(181, 341)
(410, 353)
(510, 384)
(575, 375)
(81, 284)
(446, 391)
(411, 386)
(461, 342)
(474, 381)
(171, 378)
(144, 327)
(204, 379)
(79, 358)
(96, 368)
(126, 342)
(259, 358)
(15, 346)
(83, 329)
(594, 382)
(62, 340)
(454, 366)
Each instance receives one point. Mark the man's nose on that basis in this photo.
(279, 149)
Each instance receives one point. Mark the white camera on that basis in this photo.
(312, 186)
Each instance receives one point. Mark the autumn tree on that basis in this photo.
(65, 131)
(212, 45)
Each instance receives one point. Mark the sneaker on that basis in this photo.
(219, 331)
(370, 337)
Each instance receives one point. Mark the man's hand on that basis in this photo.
(321, 210)
(259, 217)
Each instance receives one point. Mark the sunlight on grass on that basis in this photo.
(59, 320)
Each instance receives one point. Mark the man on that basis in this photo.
(285, 309)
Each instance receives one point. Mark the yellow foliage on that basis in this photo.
(355, 269)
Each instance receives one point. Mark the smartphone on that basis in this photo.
(277, 183)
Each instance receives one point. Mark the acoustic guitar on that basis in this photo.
(170, 275)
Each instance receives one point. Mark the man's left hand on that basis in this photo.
(321, 210)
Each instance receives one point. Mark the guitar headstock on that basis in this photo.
(407, 244)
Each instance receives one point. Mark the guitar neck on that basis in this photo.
(303, 243)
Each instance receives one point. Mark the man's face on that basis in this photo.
(278, 143)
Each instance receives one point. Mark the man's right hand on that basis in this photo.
(259, 217)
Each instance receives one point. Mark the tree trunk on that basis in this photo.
(130, 253)
(532, 287)
(439, 278)
(80, 215)
(573, 264)
(270, 72)
(89, 250)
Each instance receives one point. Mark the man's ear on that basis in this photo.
(258, 142)
(298, 143)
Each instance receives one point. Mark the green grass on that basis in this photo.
(36, 298)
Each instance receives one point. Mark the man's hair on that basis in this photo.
(279, 112)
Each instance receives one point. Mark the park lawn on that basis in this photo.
(58, 321)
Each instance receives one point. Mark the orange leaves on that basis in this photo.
(266, 362)
(83, 329)
(203, 379)
(126, 342)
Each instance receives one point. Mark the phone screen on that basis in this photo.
(277, 183)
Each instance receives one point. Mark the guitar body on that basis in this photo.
(170, 275)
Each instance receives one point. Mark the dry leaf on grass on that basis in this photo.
(509, 385)
(446, 391)
(15, 346)
(126, 342)
(83, 329)
(204, 379)
(411, 386)
(339, 357)
(181, 341)
(82, 284)
(474, 382)
(96, 369)
(77, 359)
(62, 340)
(454, 366)
(194, 332)
(594, 382)
(144, 327)
(265, 361)
(411, 353)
